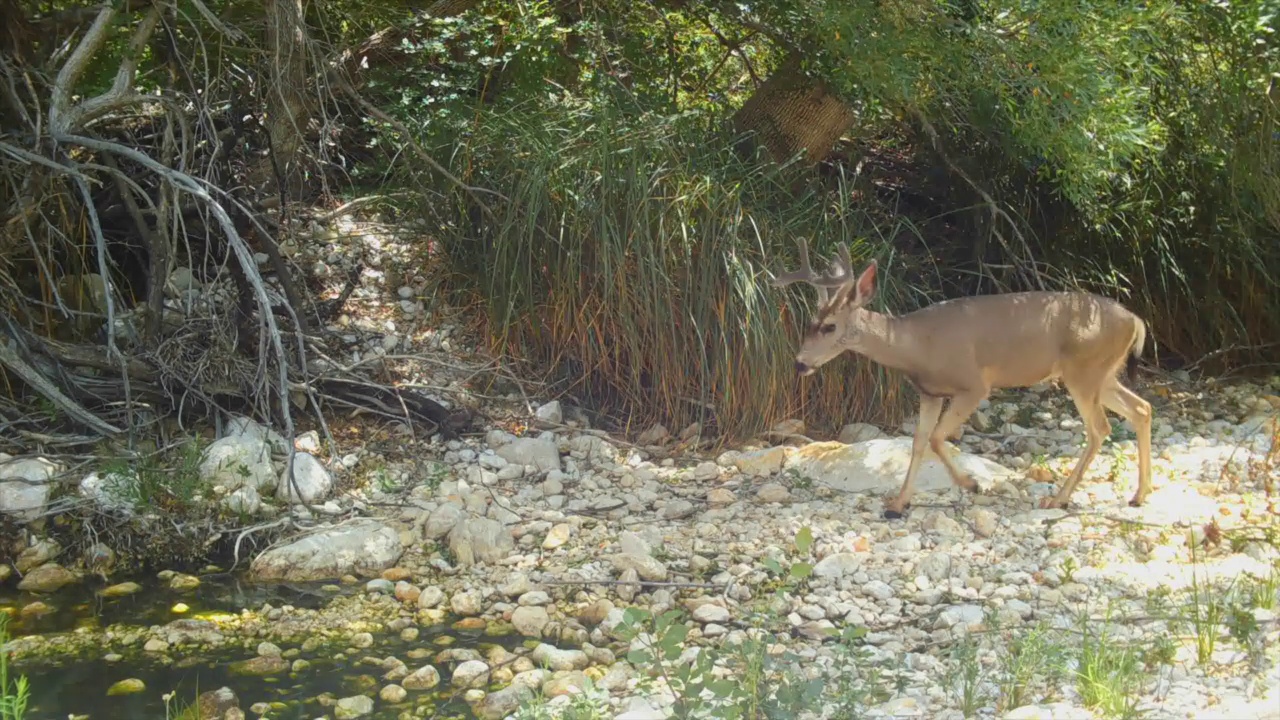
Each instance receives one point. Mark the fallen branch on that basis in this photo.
(10, 358)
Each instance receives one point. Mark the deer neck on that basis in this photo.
(886, 340)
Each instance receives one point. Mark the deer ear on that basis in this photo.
(866, 285)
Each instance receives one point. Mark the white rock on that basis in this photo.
(706, 470)
(859, 432)
(646, 567)
(710, 613)
(236, 461)
(985, 522)
(558, 659)
(936, 566)
(430, 597)
(356, 706)
(878, 589)
(550, 413)
(631, 542)
(243, 500)
(424, 678)
(969, 617)
(534, 597)
(838, 565)
(24, 486)
(480, 540)
(540, 453)
(110, 491)
(471, 674)
(530, 620)
(442, 520)
(466, 603)
(312, 478)
(756, 463)
(773, 493)
(558, 535)
(880, 465)
(358, 547)
(241, 426)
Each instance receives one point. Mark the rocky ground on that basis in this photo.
(784, 572)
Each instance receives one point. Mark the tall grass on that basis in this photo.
(632, 253)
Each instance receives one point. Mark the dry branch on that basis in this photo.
(63, 118)
(10, 358)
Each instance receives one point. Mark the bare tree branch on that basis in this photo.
(64, 118)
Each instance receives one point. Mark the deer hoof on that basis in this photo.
(1137, 502)
(966, 482)
(1051, 503)
(892, 514)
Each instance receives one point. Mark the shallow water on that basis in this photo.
(65, 687)
(80, 687)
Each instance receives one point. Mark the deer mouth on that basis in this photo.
(804, 370)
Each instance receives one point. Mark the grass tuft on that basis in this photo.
(633, 254)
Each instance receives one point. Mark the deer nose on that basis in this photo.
(801, 368)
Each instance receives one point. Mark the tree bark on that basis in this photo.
(288, 105)
(791, 113)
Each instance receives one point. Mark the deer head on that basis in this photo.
(841, 319)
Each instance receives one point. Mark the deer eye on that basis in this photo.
(827, 328)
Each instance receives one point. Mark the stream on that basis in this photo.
(63, 687)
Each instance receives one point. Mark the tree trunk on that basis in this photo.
(288, 105)
(792, 113)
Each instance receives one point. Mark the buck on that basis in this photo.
(960, 350)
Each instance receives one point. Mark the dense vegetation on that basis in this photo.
(614, 179)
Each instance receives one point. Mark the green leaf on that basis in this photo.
(801, 570)
(722, 688)
(804, 539)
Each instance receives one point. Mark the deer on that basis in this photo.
(958, 351)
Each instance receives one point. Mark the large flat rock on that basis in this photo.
(362, 547)
(880, 466)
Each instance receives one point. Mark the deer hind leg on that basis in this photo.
(1096, 428)
(930, 409)
(961, 407)
(1129, 405)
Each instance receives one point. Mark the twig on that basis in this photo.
(245, 532)
(355, 203)
(643, 583)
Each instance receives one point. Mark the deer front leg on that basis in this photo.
(930, 409)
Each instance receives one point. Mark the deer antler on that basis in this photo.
(838, 274)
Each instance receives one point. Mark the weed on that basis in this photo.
(590, 704)
(157, 481)
(968, 692)
(1029, 657)
(1109, 673)
(1068, 568)
(14, 697)
(1207, 610)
